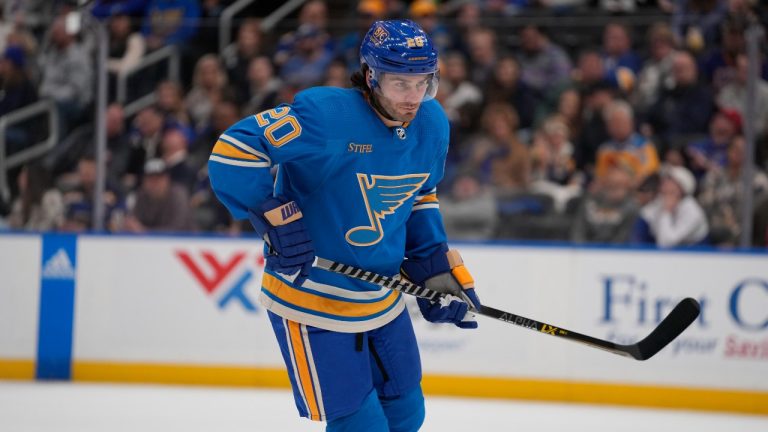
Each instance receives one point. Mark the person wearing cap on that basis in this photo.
(674, 218)
(160, 204)
(356, 183)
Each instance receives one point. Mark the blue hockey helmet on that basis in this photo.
(399, 47)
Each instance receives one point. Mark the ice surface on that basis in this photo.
(81, 407)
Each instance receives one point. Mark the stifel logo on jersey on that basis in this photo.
(382, 196)
(213, 274)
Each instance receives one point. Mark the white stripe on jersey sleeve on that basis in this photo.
(432, 205)
(242, 163)
(245, 147)
(423, 194)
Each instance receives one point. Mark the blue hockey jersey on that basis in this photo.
(367, 192)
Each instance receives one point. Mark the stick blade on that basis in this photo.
(683, 315)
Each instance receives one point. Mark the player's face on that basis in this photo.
(401, 95)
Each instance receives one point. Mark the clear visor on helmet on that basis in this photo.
(405, 87)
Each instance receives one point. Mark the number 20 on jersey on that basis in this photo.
(280, 127)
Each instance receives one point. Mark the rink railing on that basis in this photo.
(185, 310)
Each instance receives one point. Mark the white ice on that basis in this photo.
(78, 407)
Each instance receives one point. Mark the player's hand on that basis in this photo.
(279, 222)
(444, 271)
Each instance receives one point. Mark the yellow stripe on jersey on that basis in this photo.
(302, 373)
(325, 305)
(223, 148)
(427, 199)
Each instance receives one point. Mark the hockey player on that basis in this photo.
(356, 177)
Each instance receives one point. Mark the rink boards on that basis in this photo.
(185, 310)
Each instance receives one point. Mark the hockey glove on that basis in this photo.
(444, 271)
(279, 223)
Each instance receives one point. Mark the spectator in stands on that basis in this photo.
(683, 110)
(306, 64)
(608, 212)
(263, 86)
(224, 115)
(174, 151)
(206, 39)
(722, 195)
(734, 96)
(553, 167)
(674, 218)
(544, 65)
(67, 74)
(656, 73)
(619, 60)
(337, 75)
(64, 157)
(170, 22)
(719, 64)
(424, 13)
(460, 97)
(315, 14)
(118, 143)
(497, 155)
(712, 151)
(483, 52)
(696, 23)
(209, 87)
(569, 109)
(506, 85)
(647, 190)
(170, 102)
(126, 48)
(368, 11)
(468, 18)
(38, 207)
(79, 190)
(161, 205)
(107, 8)
(469, 209)
(589, 70)
(145, 137)
(626, 147)
(16, 91)
(594, 131)
(237, 58)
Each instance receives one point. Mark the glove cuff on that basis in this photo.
(272, 213)
(458, 270)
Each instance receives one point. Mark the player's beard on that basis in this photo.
(404, 112)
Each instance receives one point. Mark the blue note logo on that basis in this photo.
(382, 195)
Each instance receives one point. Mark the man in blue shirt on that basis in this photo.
(356, 180)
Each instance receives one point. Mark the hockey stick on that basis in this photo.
(675, 323)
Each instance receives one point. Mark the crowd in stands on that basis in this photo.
(619, 131)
